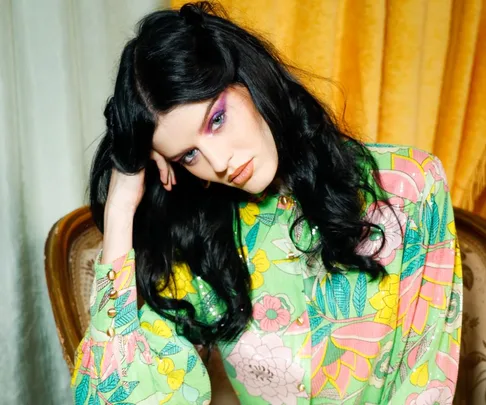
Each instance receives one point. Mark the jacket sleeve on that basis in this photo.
(426, 352)
(129, 356)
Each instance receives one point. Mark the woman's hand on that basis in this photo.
(124, 195)
(126, 190)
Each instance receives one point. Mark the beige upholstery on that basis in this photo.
(74, 242)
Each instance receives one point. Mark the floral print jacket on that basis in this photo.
(315, 337)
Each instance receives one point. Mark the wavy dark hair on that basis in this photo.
(191, 55)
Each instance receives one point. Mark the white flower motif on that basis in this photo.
(433, 396)
(265, 366)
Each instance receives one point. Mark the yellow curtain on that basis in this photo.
(401, 71)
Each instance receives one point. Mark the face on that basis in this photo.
(223, 140)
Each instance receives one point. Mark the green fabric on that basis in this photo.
(315, 337)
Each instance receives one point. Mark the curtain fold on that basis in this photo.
(56, 72)
(408, 72)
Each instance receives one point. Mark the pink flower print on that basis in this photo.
(392, 221)
(271, 314)
(360, 343)
(435, 394)
(266, 368)
(425, 288)
(431, 164)
(449, 364)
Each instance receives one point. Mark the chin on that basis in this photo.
(260, 182)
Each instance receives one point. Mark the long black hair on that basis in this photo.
(193, 55)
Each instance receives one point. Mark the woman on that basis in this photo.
(324, 270)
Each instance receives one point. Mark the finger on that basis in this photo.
(162, 166)
(168, 186)
(172, 175)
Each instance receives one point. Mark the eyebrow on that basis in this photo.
(201, 128)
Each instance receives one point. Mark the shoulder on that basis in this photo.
(406, 172)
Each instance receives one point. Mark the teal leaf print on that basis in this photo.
(342, 292)
(359, 295)
(82, 390)
(94, 400)
(434, 223)
(123, 393)
(410, 252)
(267, 219)
(314, 319)
(412, 236)
(251, 237)
(427, 215)
(320, 299)
(120, 301)
(443, 225)
(130, 329)
(126, 315)
(331, 303)
(413, 266)
(170, 349)
(320, 333)
(191, 362)
(110, 383)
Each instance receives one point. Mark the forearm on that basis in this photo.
(118, 230)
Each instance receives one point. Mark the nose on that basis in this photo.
(217, 152)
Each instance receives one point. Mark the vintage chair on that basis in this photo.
(74, 241)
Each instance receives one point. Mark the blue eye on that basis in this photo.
(218, 120)
(189, 157)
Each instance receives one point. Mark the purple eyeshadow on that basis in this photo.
(217, 108)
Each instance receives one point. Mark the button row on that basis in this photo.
(113, 294)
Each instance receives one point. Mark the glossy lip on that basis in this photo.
(242, 174)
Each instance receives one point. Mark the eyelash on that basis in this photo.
(220, 114)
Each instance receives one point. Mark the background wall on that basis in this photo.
(408, 72)
(57, 64)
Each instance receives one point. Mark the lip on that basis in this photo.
(242, 174)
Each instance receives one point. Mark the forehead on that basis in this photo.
(178, 126)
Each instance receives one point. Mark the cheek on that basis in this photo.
(202, 169)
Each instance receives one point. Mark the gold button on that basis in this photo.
(113, 294)
(300, 321)
(301, 387)
(111, 275)
(290, 255)
(110, 332)
(112, 312)
(284, 200)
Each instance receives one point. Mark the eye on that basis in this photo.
(218, 120)
(189, 157)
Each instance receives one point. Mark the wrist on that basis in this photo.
(119, 210)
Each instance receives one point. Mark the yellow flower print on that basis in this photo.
(386, 300)
(458, 263)
(159, 328)
(166, 399)
(180, 284)
(175, 378)
(420, 376)
(258, 265)
(249, 213)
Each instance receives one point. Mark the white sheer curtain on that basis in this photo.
(57, 64)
